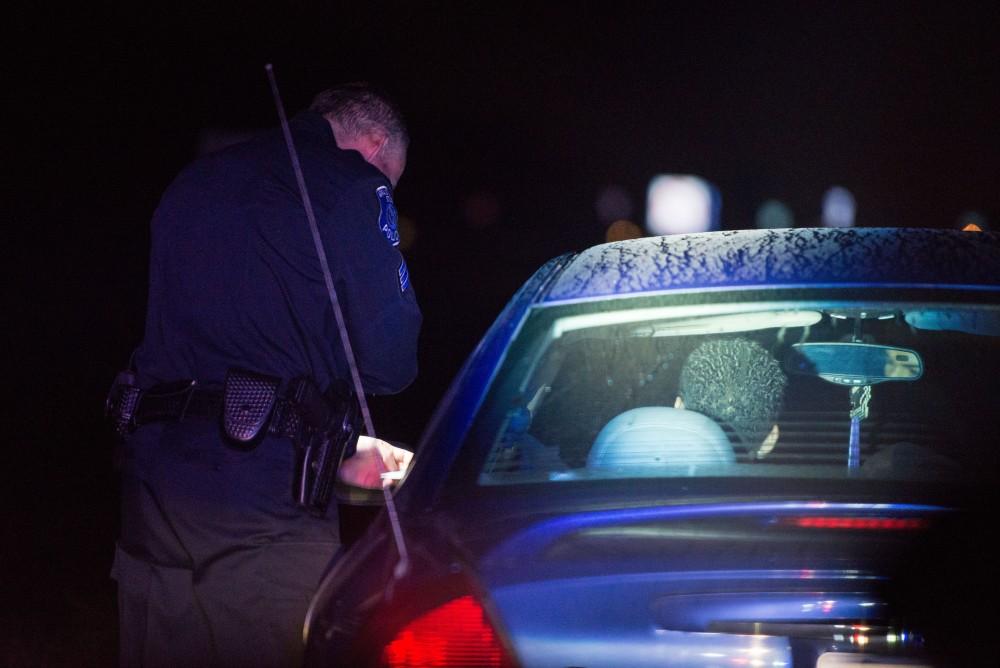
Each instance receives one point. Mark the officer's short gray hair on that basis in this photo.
(360, 108)
(737, 383)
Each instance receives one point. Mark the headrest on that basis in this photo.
(660, 436)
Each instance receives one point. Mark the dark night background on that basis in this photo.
(520, 114)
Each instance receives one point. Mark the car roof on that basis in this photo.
(781, 258)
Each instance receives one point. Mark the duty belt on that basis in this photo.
(175, 402)
(323, 426)
(249, 405)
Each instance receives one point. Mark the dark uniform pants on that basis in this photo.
(215, 566)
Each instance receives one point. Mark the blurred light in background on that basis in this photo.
(681, 204)
(481, 210)
(839, 207)
(620, 230)
(973, 219)
(211, 140)
(613, 203)
(407, 232)
(773, 215)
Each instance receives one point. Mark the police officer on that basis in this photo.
(217, 562)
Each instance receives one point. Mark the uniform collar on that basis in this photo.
(312, 124)
(310, 127)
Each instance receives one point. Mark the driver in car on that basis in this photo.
(740, 385)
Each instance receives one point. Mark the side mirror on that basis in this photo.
(854, 364)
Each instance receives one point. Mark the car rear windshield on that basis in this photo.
(826, 385)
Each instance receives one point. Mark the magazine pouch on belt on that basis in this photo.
(248, 399)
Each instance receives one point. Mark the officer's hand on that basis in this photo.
(363, 468)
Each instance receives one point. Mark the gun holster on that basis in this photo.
(328, 433)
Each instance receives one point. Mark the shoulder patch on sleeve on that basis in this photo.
(387, 216)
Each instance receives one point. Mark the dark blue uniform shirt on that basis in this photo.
(235, 280)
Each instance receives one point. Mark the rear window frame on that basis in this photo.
(527, 347)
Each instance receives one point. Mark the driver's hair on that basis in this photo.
(737, 383)
(359, 108)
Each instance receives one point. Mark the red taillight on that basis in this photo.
(451, 635)
(889, 523)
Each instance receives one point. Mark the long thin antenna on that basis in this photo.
(404, 559)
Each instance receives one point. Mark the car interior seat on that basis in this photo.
(660, 436)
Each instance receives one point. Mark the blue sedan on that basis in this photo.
(752, 448)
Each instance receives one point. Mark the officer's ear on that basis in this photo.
(387, 159)
(368, 144)
(374, 144)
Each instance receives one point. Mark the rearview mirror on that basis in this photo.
(854, 363)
